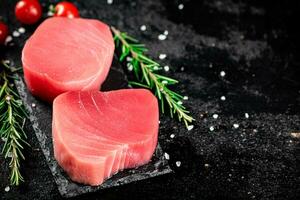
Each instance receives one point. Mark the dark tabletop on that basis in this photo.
(250, 149)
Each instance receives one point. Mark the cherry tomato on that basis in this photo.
(28, 11)
(3, 32)
(66, 9)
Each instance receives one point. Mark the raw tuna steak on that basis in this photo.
(67, 55)
(96, 134)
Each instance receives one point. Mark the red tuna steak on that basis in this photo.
(96, 134)
(67, 55)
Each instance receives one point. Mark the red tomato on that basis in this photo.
(28, 11)
(3, 32)
(66, 9)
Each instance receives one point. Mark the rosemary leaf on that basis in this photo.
(144, 68)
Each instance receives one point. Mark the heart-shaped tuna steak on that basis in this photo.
(67, 55)
(96, 134)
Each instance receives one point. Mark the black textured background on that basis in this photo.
(257, 44)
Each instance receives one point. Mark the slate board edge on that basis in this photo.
(20, 85)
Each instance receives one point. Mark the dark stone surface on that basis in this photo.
(257, 44)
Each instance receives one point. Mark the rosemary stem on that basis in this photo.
(138, 56)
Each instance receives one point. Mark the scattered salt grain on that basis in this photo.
(206, 165)
(143, 28)
(49, 14)
(178, 163)
(6, 189)
(164, 82)
(179, 102)
(21, 30)
(223, 98)
(236, 126)
(172, 135)
(210, 65)
(167, 156)
(180, 6)
(156, 68)
(33, 105)
(211, 128)
(182, 69)
(6, 62)
(129, 66)
(166, 32)
(16, 34)
(166, 68)
(162, 56)
(190, 127)
(215, 116)
(128, 59)
(162, 37)
(185, 98)
(110, 1)
(222, 73)
(246, 115)
(8, 39)
(8, 98)
(255, 130)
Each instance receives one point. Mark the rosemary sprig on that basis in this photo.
(146, 72)
(12, 118)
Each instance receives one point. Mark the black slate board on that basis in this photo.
(40, 115)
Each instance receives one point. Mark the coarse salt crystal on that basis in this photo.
(7, 188)
(166, 32)
(16, 34)
(166, 68)
(6, 61)
(129, 66)
(223, 98)
(185, 98)
(172, 135)
(8, 39)
(21, 30)
(190, 127)
(180, 6)
(49, 14)
(182, 69)
(167, 156)
(110, 1)
(179, 102)
(162, 37)
(162, 56)
(9, 154)
(211, 128)
(215, 116)
(236, 126)
(33, 105)
(143, 27)
(178, 163)
(164, 82)
(246, 115)
(128, 59)
(156, 68)
(222, 73)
